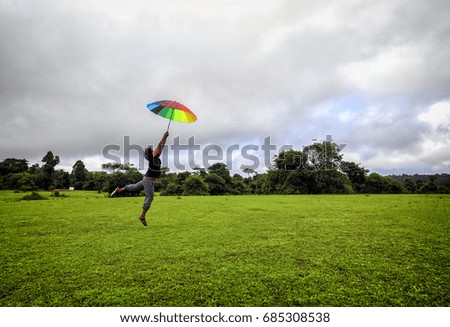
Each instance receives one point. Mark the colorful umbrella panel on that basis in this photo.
(172, 110)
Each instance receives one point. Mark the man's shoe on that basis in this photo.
(143, 221)
(113, 192)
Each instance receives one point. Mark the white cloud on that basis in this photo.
(398, 69)
(390, 141)
(438, 116)
(436, 143)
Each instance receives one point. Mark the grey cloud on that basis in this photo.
(76, 76)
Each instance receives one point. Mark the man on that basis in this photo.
(147, 183)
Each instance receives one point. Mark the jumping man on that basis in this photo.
(153, 172)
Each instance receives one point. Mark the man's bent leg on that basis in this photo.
(134, 187)
(149, 191)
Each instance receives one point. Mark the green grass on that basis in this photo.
(324, 250)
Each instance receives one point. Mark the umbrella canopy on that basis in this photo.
(172, 110)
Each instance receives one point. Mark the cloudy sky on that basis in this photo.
(75, 78)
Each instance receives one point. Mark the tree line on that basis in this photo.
(318, 168)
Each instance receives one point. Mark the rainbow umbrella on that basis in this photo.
(172, 110)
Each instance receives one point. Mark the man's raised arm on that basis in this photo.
(161, 144)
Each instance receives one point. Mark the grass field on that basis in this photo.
(313, 250)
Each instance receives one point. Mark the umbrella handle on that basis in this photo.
(170, 120)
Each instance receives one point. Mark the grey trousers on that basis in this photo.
(149, 191)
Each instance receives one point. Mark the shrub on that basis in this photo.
(33, 196)
(216, 184)
(171, 189)
(194, 185)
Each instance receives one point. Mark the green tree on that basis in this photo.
(290, 160)
(430, 187)
(275, 180)
(249, 171)
(200, 171)
(116, 179)
(172, 189)
(410, 185)
(330, 181)
(164, 180)
(323, 155)
(393, 186)
(23, 181)
(375, 184)
(118, 175)
(221, 170)
(259, 184)
(356, 174)
(113, 167)
(79, 175)
(97, 181)
(313, 170)
(164, 171)
(34, 169)
(13, 166)
(132, 175)
(48, 169)
(194, 185)
(299, 182)
(181, 177)
(216, 184)
(238, 185)
(61, 179)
